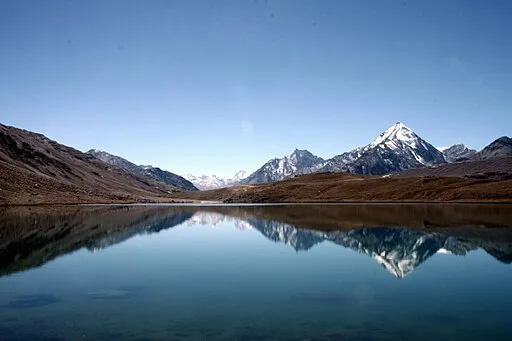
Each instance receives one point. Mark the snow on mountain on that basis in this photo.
(457, 153)
(238, 176)
(282, 168)
(206, 182)
(396, 149)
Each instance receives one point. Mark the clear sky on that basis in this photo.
(211, 86)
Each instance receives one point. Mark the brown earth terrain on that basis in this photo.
(344, 187)
(37, 170)
(496, 169)
(337, 217)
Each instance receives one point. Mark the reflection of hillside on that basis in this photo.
(30, 237)
(153, 225)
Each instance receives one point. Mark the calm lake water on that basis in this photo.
(334, 272)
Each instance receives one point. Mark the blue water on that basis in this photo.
(214, 277)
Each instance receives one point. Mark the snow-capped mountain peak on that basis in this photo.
(458, 152)
(241, 174)
(396, 149)
(397, 132)
(279, 169)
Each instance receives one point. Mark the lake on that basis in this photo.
(274, 272)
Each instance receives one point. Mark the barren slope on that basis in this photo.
(497, 168)
(35, 169)
(344, 187)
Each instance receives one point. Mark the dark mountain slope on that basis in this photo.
(150, 173)
(458, 152)
(282, 168)
(501, 147)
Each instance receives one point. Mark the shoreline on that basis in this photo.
(284, 203)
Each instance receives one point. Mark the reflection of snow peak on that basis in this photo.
(398, 267)
(213, 219)
(398, 250)
(205, 218)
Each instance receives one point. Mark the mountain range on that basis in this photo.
(205, 182)
(32, 164)
(397, 149)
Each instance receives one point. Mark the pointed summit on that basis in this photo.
(398, 131)
(301, 153)
(396, 149)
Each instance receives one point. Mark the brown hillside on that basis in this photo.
(497, 168)
(35, 169)
(343, 187)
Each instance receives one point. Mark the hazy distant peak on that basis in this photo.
(205, 182)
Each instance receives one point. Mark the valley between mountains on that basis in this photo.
(397, 166)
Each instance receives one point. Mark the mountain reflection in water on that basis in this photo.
(399, 237)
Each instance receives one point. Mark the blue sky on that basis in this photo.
(207, 86)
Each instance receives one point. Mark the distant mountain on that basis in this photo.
(499, 148)
(35, 169)
(239, 176)
(458, 153)
(148, 172)
(206, 182)
(396, 149)
(278, 169)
